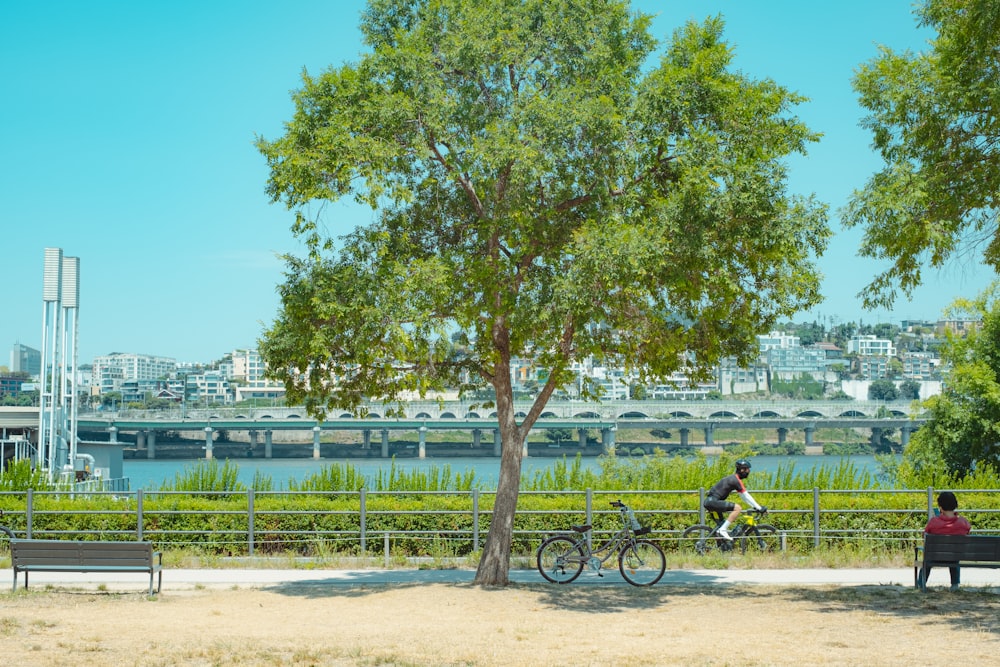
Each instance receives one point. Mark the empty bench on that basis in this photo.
(951, 550)
(66, 556)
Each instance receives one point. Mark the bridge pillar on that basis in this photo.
(151, 445)
(209, 441)
(385, 443)
(685, 435)
(810, 432)
(366, 439)
(477, 436)
(113, 433)
(140, 440)
(268, 438)
(253, 442)
(422, 446)
(316, 432)
(497, 442)
(582, 434)
(904, 435)
(782, 435)
(710, 435)
(608, 439)
(876, 436)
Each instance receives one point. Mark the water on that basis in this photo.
(149, 475)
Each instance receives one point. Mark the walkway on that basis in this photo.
(197, 579)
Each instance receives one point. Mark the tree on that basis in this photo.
(963, 421)
(910, 390)
(882, 390)
(557, 435)
(544, 192)
(935, 121)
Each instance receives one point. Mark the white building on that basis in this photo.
(111, 370)
(870, 346)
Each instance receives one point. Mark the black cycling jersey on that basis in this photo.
(725, 486)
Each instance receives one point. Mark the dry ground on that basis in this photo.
(461, 624)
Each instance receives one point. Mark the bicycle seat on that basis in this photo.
(581, 529)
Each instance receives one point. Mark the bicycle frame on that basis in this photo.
(610, 547)
(562, 556)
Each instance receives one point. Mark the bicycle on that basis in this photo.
(749, 535)
(561, 558)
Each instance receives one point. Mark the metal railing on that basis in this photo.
(254, 522)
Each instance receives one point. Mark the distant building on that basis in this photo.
(777, 340)
(870, 346)
(24, 359)
(919, 365)
(112, 370)
(210, 387)
(794, 362)
(957, 327)
(830, 350)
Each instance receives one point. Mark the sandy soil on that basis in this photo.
(543, 624)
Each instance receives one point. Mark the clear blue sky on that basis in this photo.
(127, 140)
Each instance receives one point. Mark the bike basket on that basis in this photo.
(645, 530)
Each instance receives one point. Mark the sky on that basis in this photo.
(127, 139)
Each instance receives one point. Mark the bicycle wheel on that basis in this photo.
(642, 563)
(697, 537)
(759, 539)
(560, 559)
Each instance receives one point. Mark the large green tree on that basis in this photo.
(541, 188)
(963, 427)
(935, 119)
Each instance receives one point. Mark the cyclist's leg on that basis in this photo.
(723, 507)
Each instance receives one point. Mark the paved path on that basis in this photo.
(194, 579)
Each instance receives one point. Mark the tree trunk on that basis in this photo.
(494, 565)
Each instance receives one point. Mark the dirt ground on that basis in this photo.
(543, 624)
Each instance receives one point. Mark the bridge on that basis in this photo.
(682, 417)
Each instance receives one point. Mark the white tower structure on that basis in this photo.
(57, 405)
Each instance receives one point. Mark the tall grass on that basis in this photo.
(206, 476)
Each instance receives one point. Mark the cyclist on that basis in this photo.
(716, 501)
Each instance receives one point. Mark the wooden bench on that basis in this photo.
(66, 556)
(952, 550)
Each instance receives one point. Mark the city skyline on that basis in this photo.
(129, 137)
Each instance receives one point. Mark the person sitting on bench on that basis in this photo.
(947, 522)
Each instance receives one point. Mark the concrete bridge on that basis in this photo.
(682, 417)
(610, 410)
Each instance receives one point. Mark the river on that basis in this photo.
(149, 475)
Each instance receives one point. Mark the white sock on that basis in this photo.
(725, 525)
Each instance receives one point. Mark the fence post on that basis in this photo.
(385, 546)
(701, 504)
(138, 515)
(816, 517)
(475, 519)
(28, 506)
(590, 516)
(363, 521)
(250, 521)
(930, 502)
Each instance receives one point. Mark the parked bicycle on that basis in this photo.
(561, 558)
(748, 535)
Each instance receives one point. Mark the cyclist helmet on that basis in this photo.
(742, 468)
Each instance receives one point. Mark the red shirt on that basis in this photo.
(948, 525)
